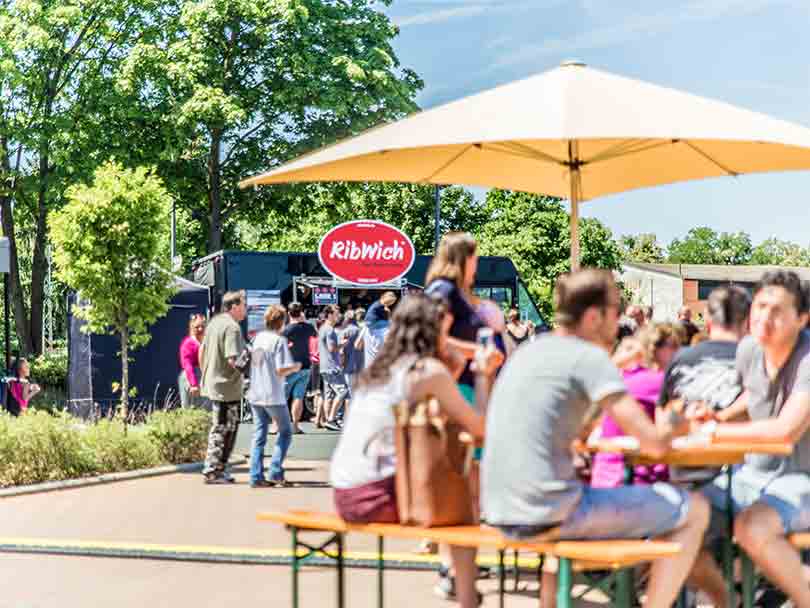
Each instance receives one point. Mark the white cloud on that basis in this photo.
(459, 9)
(438, 16)
(633, 27)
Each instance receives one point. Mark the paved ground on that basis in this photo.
(314, 444)
(179, 510)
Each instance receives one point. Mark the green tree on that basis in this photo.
(703, 245)
(110, 243)
(244, 84)
(305, 213)
(780, 253)
(534, 232)
(56, 58)
(642, 248)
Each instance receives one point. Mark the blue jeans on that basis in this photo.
(261, 420)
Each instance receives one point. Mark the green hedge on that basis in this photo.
(39, 446)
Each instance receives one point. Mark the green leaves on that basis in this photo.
(109, 244)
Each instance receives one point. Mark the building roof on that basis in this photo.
(717, 272)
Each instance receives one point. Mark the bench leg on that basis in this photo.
(380, 571)
(748, 580)
(728, 543)
(624, 588)
(294, 531)
(501, 578)
(340, 580)
(564, 583)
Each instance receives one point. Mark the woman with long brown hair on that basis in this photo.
(410, 366)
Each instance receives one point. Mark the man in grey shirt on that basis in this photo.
(334, 380)
(770, 494)
(537, 408)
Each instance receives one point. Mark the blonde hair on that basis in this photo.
(655, 335)
(450, 261)
(275, 316)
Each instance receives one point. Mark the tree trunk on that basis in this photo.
(125, 373)
(39, 265)
(214, 192)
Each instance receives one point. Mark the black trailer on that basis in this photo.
(294, 275)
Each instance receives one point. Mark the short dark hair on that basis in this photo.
(296, 309)
(729, 306)
(232, 298)
(790, 282)
(331, 309)
(578, 291)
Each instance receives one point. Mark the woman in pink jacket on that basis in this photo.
(20, 390)
(188, 382)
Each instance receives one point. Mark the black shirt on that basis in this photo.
(466, 321)
(299, 334)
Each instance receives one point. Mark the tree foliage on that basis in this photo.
(642, 248)
(241, 85)
(534, 231)
(110, 247)
(780, 253)
(703, 245)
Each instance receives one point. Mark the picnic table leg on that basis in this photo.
(748, 580)
(517, 571)
(728, 542)
(624, 588)
(340, 581)
(294, 531)
(501, 578)
(564, 583)
(380, 570)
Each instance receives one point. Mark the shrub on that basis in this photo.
(40, 446)
(50, 369)
(117, 448)
(181, 435)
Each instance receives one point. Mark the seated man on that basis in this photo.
(770, 494)
(537, 408)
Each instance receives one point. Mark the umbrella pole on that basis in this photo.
(573, 172)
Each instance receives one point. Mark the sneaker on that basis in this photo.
(446, 587)
(278, 480)
(214, 479)
(332, 426)
(261, 483)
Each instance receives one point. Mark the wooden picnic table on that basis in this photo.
(693, 453)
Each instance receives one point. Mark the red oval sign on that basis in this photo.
(366, 252)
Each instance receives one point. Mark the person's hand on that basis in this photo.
(34, 389)
(487, 360)
(699, 412)
(194, 391)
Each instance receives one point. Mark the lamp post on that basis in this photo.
(437, 194)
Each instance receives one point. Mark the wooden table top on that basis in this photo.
(693, 453)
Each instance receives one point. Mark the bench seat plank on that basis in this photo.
(590, 554)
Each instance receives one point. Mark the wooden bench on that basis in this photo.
(619, 556)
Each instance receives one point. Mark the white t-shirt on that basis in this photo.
(270, 353)
(365, 452)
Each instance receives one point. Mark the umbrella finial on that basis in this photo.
(573, 63)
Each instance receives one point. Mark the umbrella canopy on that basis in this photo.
(572, 132)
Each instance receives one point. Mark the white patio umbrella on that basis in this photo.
(572, 132)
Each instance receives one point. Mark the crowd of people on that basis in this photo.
(741, 373)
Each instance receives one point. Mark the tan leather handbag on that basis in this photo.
(432, 464)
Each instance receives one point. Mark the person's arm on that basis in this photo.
(485, 365)
(359, 343)
(629, 415)
(285, 365)
(434, 380)
(736, 412)
(233, 345)
(789, 426)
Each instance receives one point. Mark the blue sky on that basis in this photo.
(752, 53)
